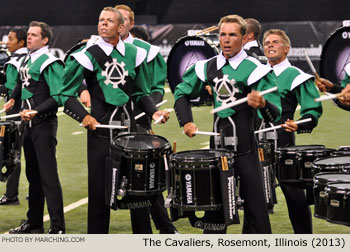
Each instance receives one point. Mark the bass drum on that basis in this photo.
(185, 53)
(335, 56)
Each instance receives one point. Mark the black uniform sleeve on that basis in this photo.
(147, 105)
(270, 112)
(81, 88)
(308, 126)
(183, 111)
(49, 105)
(157, 97)
(74, 109)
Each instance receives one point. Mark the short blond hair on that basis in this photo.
(234, 19)
(126, 8)
(120, 17)
(279, 32)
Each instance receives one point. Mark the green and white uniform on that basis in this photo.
(296, 87)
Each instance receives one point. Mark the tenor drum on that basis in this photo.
(288, 170)
(9, 151)
(332, 164)
(142, 170)
(321, 180)
(305, 159)
(342, 151)
(185, 53)
(338, 210)
(196, 179)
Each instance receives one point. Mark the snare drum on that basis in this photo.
(338, 209)
(142, 170)
(196, 179)
(288, 170)
(332, 164)
(9, 149)
(321, 180)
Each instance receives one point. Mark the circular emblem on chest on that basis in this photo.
(225, 89)
(115, 73)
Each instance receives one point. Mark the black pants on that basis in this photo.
(98, 211)
(298, 209)
(39, 144)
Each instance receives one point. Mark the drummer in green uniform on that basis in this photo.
(296, 87)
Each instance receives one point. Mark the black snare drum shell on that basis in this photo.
(338, 210)
(142, 162)
(196, 179)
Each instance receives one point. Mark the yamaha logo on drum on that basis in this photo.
(189, 195)
(152, 173)
(194, 43)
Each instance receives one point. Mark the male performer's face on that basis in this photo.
(108, 26)
(231, 39)
(127, 24)
(12, 42)
(35, 40)
(274, 49)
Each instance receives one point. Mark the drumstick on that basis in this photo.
(280, 126)
(174, 147)
(2, 111)
(240, 101)
(2, 43)
(206, 30)
(328, 97)
(206, 133)
(17, 115)
(309, 62)
(143, 113)
(107, 126)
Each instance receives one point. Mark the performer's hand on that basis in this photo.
(190, 128)
(8, 105)
(89, 122)
(85, 98)
(290, 126)
(208, 88)
(345, 94)
(256, 100)
(27, 117)
(324, 84)
(161, 115)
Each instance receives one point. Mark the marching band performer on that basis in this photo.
(231, 75)
(295, 87)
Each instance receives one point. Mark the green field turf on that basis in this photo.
(332, 131)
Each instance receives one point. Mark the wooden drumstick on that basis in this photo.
(2, 43)
(309, 62)
(206, 30)
(174, 147)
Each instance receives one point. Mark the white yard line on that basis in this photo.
(68, 208)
